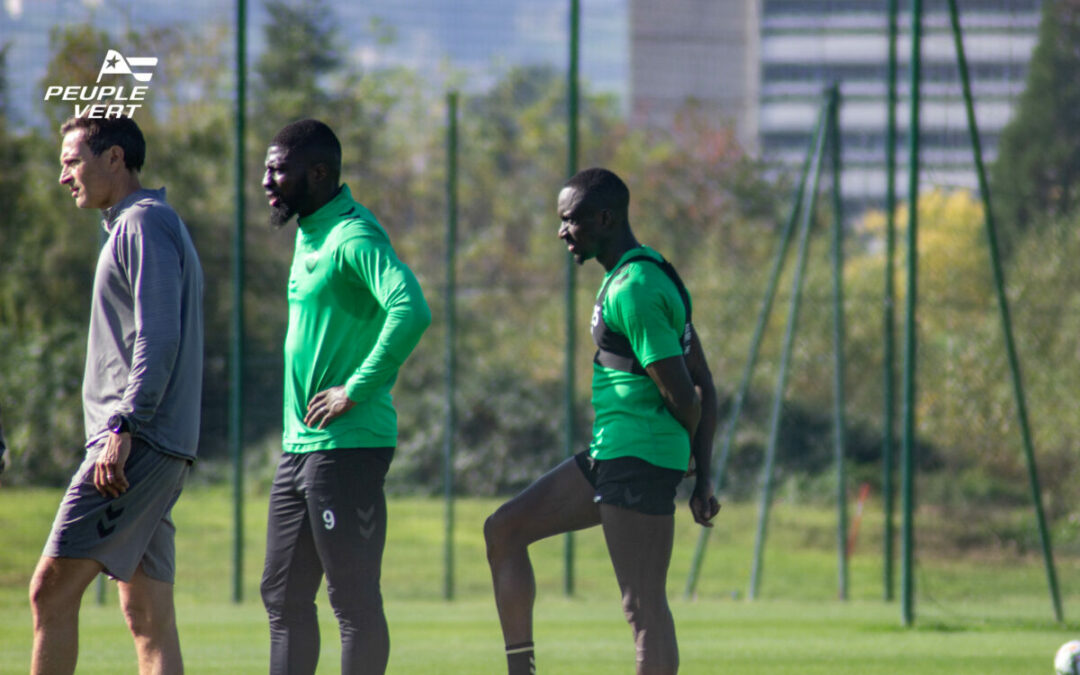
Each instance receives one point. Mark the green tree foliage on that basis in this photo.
(46, 263)
(703, 189)
(966, 411)
(696, 197)
(1037, 172)
(49, 247)
(303, 50)
(1045, 296)
(510, 302)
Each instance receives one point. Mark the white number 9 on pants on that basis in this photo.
(328, 519)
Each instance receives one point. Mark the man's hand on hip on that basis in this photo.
(327, 406)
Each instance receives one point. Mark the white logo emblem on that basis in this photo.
(101, 101)
(116, 64)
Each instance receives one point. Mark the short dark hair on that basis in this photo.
(315, 141)
(103, 133)
(602, 189)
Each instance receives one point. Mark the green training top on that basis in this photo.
(643, 304)
(355, 314)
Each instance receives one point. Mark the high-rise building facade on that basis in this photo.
(808, 44)
(701, 51)
(764, 65)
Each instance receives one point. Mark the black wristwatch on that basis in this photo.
(118, 424)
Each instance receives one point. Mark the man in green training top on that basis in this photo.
(655, 408)
(355, 313)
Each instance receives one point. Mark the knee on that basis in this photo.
(359, 614)
(267, 595)
(272, 600)
(358, 600)
(39, 596)
(632, 609)
(282, 610)
(144, 619)
(41, 600)
(47, 599)
(643, 612)
(497, 534)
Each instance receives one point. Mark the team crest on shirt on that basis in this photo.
(311, 260)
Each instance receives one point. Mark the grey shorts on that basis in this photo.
(123, 532)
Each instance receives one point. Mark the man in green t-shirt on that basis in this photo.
(355, 314)
(655, 408)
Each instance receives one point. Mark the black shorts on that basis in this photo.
(631, 483)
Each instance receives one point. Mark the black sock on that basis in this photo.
(520, 659)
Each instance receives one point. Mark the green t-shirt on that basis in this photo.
(355, 314)
(643, 304)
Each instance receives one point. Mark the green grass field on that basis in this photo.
(980, 614)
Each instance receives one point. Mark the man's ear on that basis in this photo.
(115, 157)
(318, 172)
(607, 219)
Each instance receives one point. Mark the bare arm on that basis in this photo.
(678, 391)
(703, 502)
(687, 388)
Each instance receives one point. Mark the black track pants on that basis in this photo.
(327, 517)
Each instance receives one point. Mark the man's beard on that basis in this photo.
(280, 215)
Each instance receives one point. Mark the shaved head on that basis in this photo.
(311, 142)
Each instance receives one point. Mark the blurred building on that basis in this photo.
(701, 51)
(806, 44)
(760, 65)
(763, 65)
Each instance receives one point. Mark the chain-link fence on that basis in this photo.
(702, 194)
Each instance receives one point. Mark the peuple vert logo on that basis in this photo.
(100, 101)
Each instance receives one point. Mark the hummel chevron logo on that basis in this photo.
(367, 527)
(107, 524)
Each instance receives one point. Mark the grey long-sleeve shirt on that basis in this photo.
(144, 356)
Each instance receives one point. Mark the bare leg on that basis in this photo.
(148, 608)
(559, 501)
(640, 549)
(56, 591)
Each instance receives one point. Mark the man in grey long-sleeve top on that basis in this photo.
(141, 398)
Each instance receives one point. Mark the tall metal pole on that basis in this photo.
(571, 272)
(236, 362)
(1006, 321)
(908, 529)
(839, 397)
(451, 331)
(889, 310)
(785, 360)
(755, 345)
